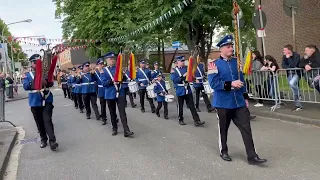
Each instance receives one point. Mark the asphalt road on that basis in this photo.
(162, 149)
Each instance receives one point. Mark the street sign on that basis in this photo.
(256, 19)
(288, 5)
(175, 44)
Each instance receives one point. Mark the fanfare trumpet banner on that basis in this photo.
(119, 71)
(132, 67)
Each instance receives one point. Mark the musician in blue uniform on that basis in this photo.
(69, 84)
(161, 90)
(231, 100)
(103, 102)
(144, 79)
(200, 77)
(74, 87)
(115, 95)
(41, 103)
(64, 84)
(78, 88)
(125, 85)
(183, 91)
(87, 80)
(156, 71)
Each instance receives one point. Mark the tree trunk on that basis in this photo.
(163, 56)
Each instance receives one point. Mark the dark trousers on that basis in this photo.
(260, 93)
(127, 92)
(71, 93)
(43, 119)
(80, 101)
(165, 106)
(204, 95)
(75, 100)
(66, 92)
(112, 105)
(103, 106)
(188, 98)
(91, 97)
(240, 118)
(143, 94)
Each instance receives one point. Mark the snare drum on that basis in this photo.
(169, 98)
(150, 91)
(168, 85)
(133, 87)
(207, 88)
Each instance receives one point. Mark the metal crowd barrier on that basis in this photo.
(295, 85)
(2, 107)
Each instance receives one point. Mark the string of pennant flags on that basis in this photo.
(177, 9)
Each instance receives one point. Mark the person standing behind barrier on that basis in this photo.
(199, 88)
(143, 79)
(290, 60)
(272, 66)
(184, 92)
(311, 63)
(161, 90)
(257, 76)
(231, 100)
(87, 79)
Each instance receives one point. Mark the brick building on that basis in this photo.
(279, 26)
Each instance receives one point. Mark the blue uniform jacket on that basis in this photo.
(107, 82)
(78, 87)
(87, 82)
(161, 90)
(155, 73)
(69, 83)
(125, 84)
(221, 73)
(141, 78)
(182, 87)
(36, 97)
(199, 75)
(99, 83)
(73, 83)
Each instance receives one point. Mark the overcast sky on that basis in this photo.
(40, 11)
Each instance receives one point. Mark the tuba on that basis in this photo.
(45, 68)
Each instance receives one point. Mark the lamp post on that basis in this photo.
(3, 40)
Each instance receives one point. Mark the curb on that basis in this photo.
(16, 99)
(7, 148)
(289, 118)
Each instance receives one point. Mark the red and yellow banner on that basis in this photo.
(192, 67)
(119, 72)
(132, 67)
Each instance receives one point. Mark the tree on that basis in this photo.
(17, 50)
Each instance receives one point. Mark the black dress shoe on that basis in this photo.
(81, 110)
(210, 110)
(143, 110)
(114, 132)
(153, 111)
(182, 123)
(158, 114)
(53, 146)
(256, 160)
(134, 105)
(88, 117)
(225, 157)
(252, 117)
(98, 118)
(117, 120)
(198, 109)
(166, 117)
(128, 133)
(43, 144)
(199, 123)
(104, 122)
(76, 107)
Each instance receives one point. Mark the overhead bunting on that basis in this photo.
(177, 9)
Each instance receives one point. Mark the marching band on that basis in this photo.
(86, 85)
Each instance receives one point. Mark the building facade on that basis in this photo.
(279, 26)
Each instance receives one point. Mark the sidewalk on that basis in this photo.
(309, 115)
(8, 135)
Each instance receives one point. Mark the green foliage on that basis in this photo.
(14, 44)
(104, 19)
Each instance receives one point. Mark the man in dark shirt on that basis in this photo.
(311, 61)
(291, 60)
